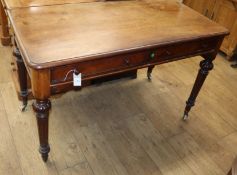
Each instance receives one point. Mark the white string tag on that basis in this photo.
(76, 79)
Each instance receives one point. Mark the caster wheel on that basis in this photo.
(44, 157)
(149, 76)
(185, 117)
(23, 108)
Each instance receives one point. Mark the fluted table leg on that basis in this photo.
(22, 76)
(205, 66)
(42, 107)
(40, 81)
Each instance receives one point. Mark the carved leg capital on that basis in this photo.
(205, 66)
(42, 107)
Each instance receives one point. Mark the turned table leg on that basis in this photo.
(205, 66)
(41, 108)
(22, 76)
(5, 36)
(40, 81)
(149, 71)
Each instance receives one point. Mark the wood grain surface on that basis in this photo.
(57, 35)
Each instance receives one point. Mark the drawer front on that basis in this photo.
(99, 66)
(64, 87)
(148, 57)
(166, 53)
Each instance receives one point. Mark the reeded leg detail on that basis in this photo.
(22, 76)
(205, 66)
(149, 71)
(42, 107)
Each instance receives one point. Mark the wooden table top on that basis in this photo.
(57, 35)
(11, 4)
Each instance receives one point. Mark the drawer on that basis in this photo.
(66, 86)
(98, 67)
(104, 66)
(185, 49)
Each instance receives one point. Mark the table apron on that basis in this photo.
(62, 76)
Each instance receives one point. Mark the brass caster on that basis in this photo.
(149, 76)
(185, 117)
(23, 108)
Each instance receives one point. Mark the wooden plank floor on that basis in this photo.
(128, 127)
